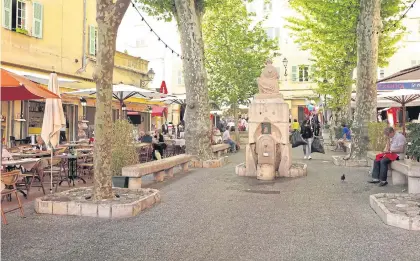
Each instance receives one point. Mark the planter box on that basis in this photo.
(120, 182)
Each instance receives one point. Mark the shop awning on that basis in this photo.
(159, 111)
(406, 79)
(15, 87)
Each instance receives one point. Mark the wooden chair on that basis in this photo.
(170, 150)
(145, 154)
(58, 167)
(9, 179)
(30, 176)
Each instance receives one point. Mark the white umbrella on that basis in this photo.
(402, 96)
(53, 118)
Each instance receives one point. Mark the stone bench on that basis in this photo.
(158, 168)
(402, 172)
(220, 149)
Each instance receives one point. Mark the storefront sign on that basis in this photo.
(389, 86)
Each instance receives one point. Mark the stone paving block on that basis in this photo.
(104, 210)
(89, 210)
(59, 208)
(74, 208)
(148, 201)
(415, 224)
(45, 207)
(137, 207)
(122, 210)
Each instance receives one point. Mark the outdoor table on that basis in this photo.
(32, 155)
(71, 166)
(180, 142)
(142, 145)
(28, 163)
(85, 150)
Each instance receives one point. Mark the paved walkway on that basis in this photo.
(216, 215)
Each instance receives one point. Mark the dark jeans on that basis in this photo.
(380, 169)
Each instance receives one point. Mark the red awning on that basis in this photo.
(159, 111)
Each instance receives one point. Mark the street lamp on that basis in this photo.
(83, 102)
(150, 77)
(285, 67)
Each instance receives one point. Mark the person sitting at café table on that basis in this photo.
(394, 150)
(161, 140)
(40, 144)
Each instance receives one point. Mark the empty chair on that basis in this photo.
(9, 180)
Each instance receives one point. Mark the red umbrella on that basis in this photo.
(15, 87)
(163, 88)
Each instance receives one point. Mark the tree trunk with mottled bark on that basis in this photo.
(368, 30)
(108, 17)
(197, 116)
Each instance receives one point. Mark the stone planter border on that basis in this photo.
(99, 209)
(392, 219)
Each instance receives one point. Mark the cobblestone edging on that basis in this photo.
(101, 209)
(398, 210)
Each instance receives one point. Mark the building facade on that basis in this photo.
(44, 36)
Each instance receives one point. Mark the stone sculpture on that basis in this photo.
(268, 81)
(268, 149)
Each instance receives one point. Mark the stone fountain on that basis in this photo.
(268, 152)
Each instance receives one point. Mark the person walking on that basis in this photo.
(307, 135)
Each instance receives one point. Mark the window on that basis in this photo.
(272, 33)
(93, 40)
(303, 73)
(300, 73)
(251, 8)
(20, 15)
(180, 78)
(381, 73)
(268, 6)
(15, 14)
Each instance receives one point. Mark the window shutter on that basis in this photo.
(92, 38)
(294, 73)
(38, 20)
(7, 14)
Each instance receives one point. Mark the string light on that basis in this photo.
(403, 16)
(159, 38)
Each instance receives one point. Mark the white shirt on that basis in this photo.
(231, 124)
(226, 135)
(397, 142)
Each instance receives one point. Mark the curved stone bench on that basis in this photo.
(158, 168)
(220, 149)
(401, 172)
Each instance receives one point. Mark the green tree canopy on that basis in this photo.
(328, 29)
(235, 52)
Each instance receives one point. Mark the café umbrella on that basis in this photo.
(53, 119)
(402, 96)
(17, 88)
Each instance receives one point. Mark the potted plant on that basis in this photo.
(413, 137)
(123, 152)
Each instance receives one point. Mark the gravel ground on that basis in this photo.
(212, 214)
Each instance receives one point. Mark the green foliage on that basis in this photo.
(414, 137)
(123, 151)
(377, 139)
(235, 50)
(328, 29)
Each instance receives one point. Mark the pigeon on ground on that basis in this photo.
(343, 177)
